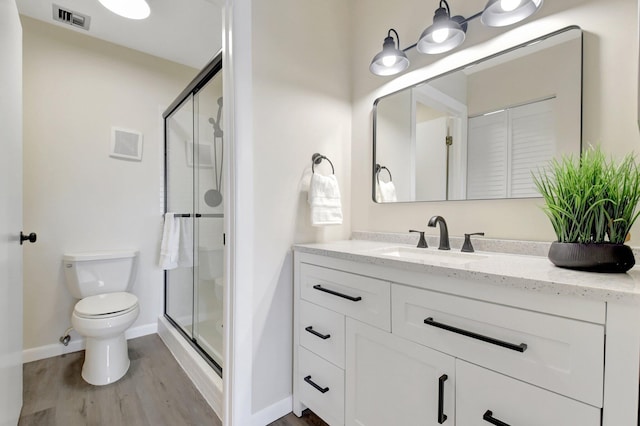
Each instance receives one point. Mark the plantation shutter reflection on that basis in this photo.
(522, 138)
(487, 156)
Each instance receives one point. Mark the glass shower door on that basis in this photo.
(179, 172)
(193, 190)
(209, 231)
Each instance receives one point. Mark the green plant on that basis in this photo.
(591, 200)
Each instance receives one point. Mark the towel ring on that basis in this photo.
(317, 159)
(379, 168)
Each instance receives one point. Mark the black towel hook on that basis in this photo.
(317, 159)
(379, 168)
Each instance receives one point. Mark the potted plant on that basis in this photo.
(592, 204)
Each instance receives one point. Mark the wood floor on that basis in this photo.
(155, 392)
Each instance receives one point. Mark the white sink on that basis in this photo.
(430, 255)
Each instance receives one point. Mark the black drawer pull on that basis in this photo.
(308, 380)
(442, 417)
(335, 293)
(519, 348)
(315, 333)
(488, 417)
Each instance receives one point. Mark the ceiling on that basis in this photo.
(188, 32)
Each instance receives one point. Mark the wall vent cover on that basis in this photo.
(68, 16)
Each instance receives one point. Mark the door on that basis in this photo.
(209, 226)
(10, 213)
(392, 381)
(193, 179)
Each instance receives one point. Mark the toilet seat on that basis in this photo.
(106, 305)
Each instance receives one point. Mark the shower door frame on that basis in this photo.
(199, 82)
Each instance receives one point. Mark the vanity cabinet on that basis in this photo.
(379, 345)
(393, 381)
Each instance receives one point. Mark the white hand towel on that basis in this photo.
(170, 242)
(387, 191)
(185, 245)
(324, 199)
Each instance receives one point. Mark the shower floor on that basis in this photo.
(209, 338)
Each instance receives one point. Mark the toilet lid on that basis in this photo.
(106, 304)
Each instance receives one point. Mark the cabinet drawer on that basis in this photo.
(559, 354)
(482, 394)
(323, 389)
(356, 296)
(322, 332)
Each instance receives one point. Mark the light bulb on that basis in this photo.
(440, 35)
(389, 60)
(132, 9)
(509, 5)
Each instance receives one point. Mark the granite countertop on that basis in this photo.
(527, 272)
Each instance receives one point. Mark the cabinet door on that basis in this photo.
(484, 397)
(392, 381)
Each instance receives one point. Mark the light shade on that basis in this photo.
(132, 9)
(500, 13)
(443, 35)
(391, 60)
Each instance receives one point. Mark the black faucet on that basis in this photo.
(444, 232)
(467, 246)
(422, 243)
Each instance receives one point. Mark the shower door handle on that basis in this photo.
(32, 237)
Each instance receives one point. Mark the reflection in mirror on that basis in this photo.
(477, 132)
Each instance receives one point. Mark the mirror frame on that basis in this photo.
(463, 67)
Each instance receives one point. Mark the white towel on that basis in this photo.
(324, 199)
(386, 192)
(185, 244)
(169, 248)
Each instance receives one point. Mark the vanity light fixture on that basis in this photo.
(132, 9)
(447, 32)
(500, 13)
(391, 60)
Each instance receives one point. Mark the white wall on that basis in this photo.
(76, 197)
(291, 99)
(301, 105)
(609, 102)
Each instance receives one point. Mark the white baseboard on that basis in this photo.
(273, 412)
(143, 330)
(205, 379)
(78, 344)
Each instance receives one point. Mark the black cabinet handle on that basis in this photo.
(518, 348)
(308, 380)
(335, 293)
(31, 237)
(442, 417)
(315, 333)
(488, 417)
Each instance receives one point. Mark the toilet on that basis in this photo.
(106, 310)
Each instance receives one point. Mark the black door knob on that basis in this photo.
(32, 237)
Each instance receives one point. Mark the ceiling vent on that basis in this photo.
(70, 17)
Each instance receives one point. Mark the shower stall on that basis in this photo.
(194, 157)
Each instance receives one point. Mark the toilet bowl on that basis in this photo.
(106, 310)
(102, 320)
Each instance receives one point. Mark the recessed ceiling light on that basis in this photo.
(132, 9)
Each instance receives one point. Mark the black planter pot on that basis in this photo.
(593, 257)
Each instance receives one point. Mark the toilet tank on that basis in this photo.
(89, 274)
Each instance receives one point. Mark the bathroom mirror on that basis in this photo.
(478, 131)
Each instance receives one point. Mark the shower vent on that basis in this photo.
(70, 17)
